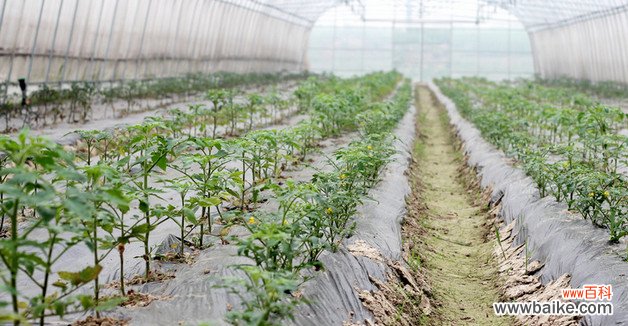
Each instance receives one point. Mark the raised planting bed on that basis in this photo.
(562, 240)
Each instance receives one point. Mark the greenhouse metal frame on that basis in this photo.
(71, 40)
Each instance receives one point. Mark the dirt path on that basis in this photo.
(453, 249)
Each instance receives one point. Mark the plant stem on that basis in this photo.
(147, 235)
(182, 224)
(14, 263)
(147, 219)
(44, 288)
(121, 252)
(96, 280)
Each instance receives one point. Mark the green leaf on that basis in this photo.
(209, 201)
(86, 275)
(110, 304)
(162, 163)
(60, 284)
(143, 206)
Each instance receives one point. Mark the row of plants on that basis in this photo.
(86, 198)
(604, 89)
(74, 102)
(570, 145)
(313, 217)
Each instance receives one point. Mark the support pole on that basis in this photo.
(54, 42)
(108, 47)
(67, 49)
(32, 56)
(90, 69)
(139, 55)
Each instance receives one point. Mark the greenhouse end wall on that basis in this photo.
(595, 49)
(66, 40)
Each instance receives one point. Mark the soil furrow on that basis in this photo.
(453, 249)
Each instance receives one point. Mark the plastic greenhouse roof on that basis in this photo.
(534, 14)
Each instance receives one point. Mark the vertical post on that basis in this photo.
(364, 49)
(139, 55)
(54, 42)
(90, 69)
(192, 21)
(4, 4)
(509, 47)
(451, 49)
(197, 39)
(111, 32)
(477, 48)
(333, 40)
(174, 47)
(422, 54)
(451, 40)
(421, 74)
(32, 56)
(70, 38)
(393, 43)
(8, 80)
(127, 58)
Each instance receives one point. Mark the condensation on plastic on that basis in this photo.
(332, 294)
(564, 242)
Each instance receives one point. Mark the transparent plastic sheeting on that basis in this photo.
(595, 49)
(104, 40)
(564, 243)
(68, 40)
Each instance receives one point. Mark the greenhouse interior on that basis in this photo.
(330, 162)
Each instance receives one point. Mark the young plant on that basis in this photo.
(119, 232)
(211, 182)
(232, 111)
(337, 203)
(253, 108)
(28, 186)
(149, 151)
(218, 98)
(184, 213)
(104, 191)
(265, 296)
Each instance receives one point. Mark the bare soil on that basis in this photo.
(446, 233)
